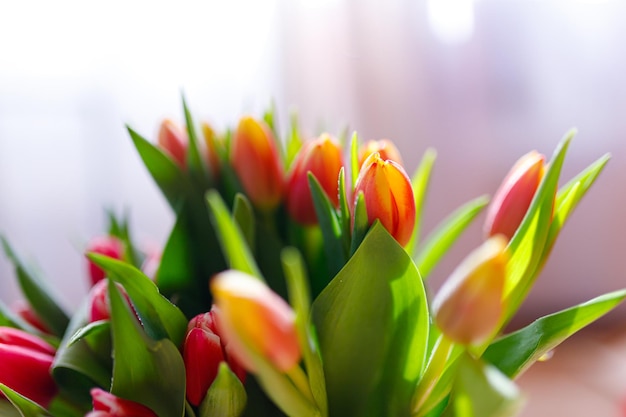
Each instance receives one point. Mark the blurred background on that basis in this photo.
(481, 81)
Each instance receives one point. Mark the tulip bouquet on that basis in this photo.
(294, 282)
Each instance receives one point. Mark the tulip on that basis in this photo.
(105, 245)
(173, 140)
(25, 362)
(257, 164)
(106, 404)
(321, 157)
(203, 351)
(385, 147)
(26, 313)
(469, 305)
(510, 203)
(211, 148)
(255, 321)
(99, 304)
(388, 196)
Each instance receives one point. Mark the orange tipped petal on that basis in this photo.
(173, 140)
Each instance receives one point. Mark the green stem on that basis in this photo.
(436, 365)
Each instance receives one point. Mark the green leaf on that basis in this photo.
(528, 244)
(344, 212)
(26, 407)
(161, 318)
(176, 270)
(294, 143)
(243, 214)
(361, 223)
(97, 335)
(480, 390)
(444, 235)
(330, 225)
(168, 176)
(515, 352)
(230, 236)
(119, 228)
(226, 396)
(8, 410)
(372, 322)
(149, 372)
(354, 160)
(300, 299)
(420, 182)
(196, 164)
(38, 294)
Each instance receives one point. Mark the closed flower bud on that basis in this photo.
(173, 140)
(255, 321)
(104, 245)
(469, 305)
(388, 196)
(99, 304)
(203, 351)
(386, 148)
(257, 164)
(512, 200)
(106, 404)
(321, 157)
(25, 362)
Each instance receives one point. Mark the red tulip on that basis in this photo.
(26, 312)
(468, 307)
(25, 362)
(512, 200)
(388, 196)
(99, 304)
(321, 157)
(386, 148)
(104, 245)
(257, 164)
(203, 351)
(173, 140)
(255, 321)
(106, 404)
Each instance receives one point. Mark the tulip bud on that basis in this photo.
(386, 148)
(321, 157)
(257, 164)
(469, 305)
(99, 304)
(173, 140)
(388, 196)
(106, 404)
(104, 245)
(255, 321)
(203, 351)
(512, 200)
(25, 362)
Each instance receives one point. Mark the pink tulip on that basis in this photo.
(388, 196)
(512, 200)
(256, 162)
(26, 313)
(25, 362)
(255, 321)
(104, 245)
(321, 157)
(203, 351)
(99, 304)
(106, 404)
(173, 140)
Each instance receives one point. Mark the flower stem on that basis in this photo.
(300, 380)
(436, 365)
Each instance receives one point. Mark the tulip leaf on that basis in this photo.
(354, 160)
(10, 319)
(243, 214)
(97, 334)
(226, 396)
(361, 223)
(38, 294)
(149, 372)
(420, 182)
(528, 243)
(515, 352)
(330, 225)
(372, 322)
(176, 270)
(294, 142)
(166, 173)
(161, 318)
(25, 406)
(344, 211)
(119, 228)
(300, 299)
(196, 164)
(231, 238)
(481, 390)
(8, 410)
(446, 234)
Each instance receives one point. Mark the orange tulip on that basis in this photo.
(173, 140)
(512, 200)
(321, 157)
(257, 164)
(255, 321)
(468, 307)
(386, 148)
(388, 196)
